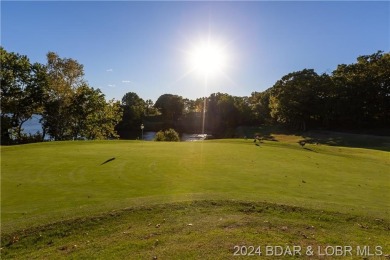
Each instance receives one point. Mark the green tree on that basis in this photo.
(189, 106)
(199, 104)
(296, 97)
(65, 76)
(363, 91)
(260, 110)
(192, 119)
(73, 109)
(243, 106)
(170, 106)
(134, 109)
(101, 124)
(87, 103)
(223, 113)
(22, 88)
(149, 108)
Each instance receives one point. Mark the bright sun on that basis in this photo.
(208, 58)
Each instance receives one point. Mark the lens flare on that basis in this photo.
(208, 58)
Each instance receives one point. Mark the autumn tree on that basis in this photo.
(65, 76)
(73, 109)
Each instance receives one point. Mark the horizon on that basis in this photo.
(143, 47)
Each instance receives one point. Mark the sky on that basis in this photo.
(144, 47)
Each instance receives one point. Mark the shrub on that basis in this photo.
(169, 135)
(30, 138)
(159, 136)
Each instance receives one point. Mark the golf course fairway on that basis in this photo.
(140, 200)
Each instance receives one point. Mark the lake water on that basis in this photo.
(33, 126)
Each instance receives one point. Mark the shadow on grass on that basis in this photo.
(264, 133)
(320, 137)
(268, 137)
(109, 160)
(381, 143)
(308, 149)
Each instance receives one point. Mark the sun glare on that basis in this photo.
(208, 58)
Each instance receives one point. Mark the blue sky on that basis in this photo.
(143, 46)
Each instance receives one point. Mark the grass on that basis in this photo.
(55, 192)
(277, 133)
(197, 230)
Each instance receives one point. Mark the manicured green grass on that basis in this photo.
(62, 181)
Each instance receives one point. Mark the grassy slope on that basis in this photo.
(44, 183)
(196, 230)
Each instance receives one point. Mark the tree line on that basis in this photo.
(353, 96)
(68, 107)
